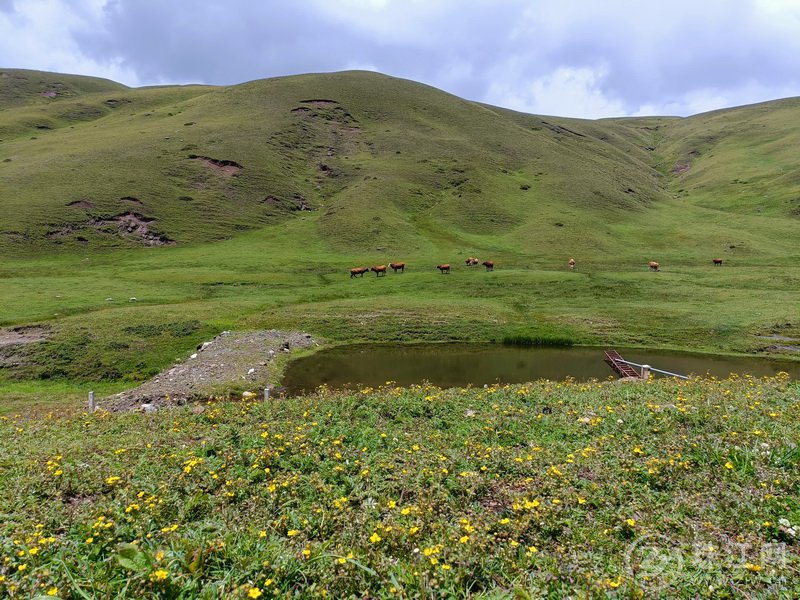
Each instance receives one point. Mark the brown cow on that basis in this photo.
(571, 263)
(358, 271)
(654, 266)
(488, 264)
(471, 261)
(443, 268)
(717, 262)
(379, 270)
(398, 267)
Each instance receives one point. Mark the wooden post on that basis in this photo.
(92, 406)
(645, 372)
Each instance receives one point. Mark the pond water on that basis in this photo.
(457, 365)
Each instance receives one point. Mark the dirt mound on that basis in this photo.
(242, 360)
(83, 203)
(228, 168)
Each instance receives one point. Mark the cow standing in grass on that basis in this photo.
(488, 264)
(571, 263)
(398, 266)
(358, 271)
(471, 261)
(379, 270)
(654, 266)
(444, 268)
(717, 262)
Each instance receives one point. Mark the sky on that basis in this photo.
(575, 58)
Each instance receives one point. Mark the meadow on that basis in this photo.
(663, 489)
(657, 489)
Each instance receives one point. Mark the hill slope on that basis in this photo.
(307, 176)
(385, 160)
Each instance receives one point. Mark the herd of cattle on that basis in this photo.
(380, 270)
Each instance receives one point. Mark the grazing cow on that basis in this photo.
(654, 266)
(717, 262)
(443, 268)
(471, 261)
(488, 264)
(379, 270)
(571, 263)
(398, 267)
(358, 271)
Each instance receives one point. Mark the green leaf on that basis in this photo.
(130, 557)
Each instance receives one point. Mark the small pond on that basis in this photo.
(457, 365)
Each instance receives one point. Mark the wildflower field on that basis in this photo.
(661, 489)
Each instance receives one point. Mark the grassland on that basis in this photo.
(542, 490)
(346, 169)
(256, 201)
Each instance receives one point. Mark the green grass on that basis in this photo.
(546, 489)
(410, 174)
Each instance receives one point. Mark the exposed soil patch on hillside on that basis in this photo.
(13, 338)
(23, 334)
(131, 224)
(230, 360)
(132, 200)
(228, 168)
(124, 225)
(296, 202)
(680, 168)
(82, 203)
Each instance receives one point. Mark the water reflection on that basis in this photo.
(458, 365)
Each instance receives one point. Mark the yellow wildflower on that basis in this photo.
(254, 593)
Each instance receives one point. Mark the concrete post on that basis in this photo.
(645, 372)
(266, 394)
(92, 406)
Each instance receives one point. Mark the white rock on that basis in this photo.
(193, 355)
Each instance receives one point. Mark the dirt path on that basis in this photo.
(231, 359)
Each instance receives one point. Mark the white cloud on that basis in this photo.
(39, 34)
(566, 92)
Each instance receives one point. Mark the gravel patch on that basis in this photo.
(230, 359)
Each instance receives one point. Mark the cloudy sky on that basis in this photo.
(582, 58)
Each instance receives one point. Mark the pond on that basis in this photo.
(458, 365)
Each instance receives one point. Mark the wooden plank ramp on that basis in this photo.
(621, 368)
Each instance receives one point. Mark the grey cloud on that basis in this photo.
(653, 55)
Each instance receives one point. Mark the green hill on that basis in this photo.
(255, 200)
(385, 160)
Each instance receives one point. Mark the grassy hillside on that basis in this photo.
(245, 207)
(671, 490)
